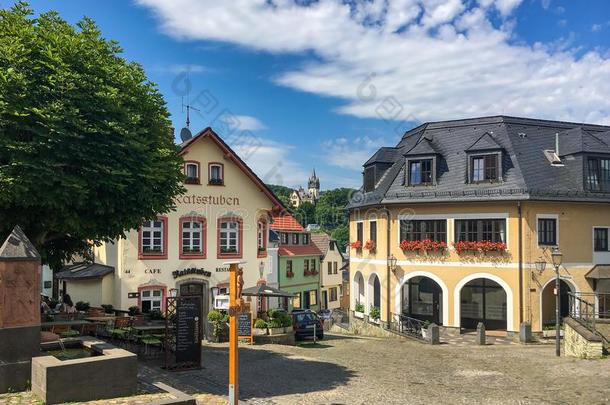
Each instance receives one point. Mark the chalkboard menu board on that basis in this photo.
(188, 338)
(244, 324)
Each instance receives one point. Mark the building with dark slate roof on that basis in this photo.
(459, 212)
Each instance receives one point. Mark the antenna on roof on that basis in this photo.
(185, 133)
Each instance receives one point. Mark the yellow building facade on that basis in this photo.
(483, 238)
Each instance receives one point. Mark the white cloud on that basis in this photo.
(349, 153)
(183, 68)
(244, 122)
(270, 160)
(596, 27)
(432, 59)
(546, 4)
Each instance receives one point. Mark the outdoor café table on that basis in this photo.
(100, 318)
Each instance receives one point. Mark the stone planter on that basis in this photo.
(359, 314)
(259, 331)
(276, 331)
(288, 329)
(375, 321)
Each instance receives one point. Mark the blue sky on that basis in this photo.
(325, 83)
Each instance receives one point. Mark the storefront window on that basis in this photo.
(296, 300)
(313, 297)
(151, 300)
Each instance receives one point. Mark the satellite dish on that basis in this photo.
(185, 134)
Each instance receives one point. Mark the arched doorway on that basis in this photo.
(197, 288)
(483, 300)
(358, 288)
(422, 298)
(374, 292)
(547, 302)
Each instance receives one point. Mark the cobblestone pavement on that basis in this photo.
(22, 398)
(351, 370)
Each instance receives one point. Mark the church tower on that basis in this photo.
(313, 186)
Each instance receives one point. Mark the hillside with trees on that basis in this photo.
(329, 212)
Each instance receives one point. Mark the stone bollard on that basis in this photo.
(434, 334)
(480, 339)
(525, 332)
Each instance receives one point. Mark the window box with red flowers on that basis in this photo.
(422, 246)
(289, 274)
(484, 246)
(370, 245)
(356, 245)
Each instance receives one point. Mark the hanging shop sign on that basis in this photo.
(192, 271)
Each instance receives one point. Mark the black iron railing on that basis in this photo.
(589, 309)
(407, 326)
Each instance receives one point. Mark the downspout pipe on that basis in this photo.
(388, 270)
(519, 211)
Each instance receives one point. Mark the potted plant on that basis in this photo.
(82, 306)
(370, 245)
(260, 327)
(108, 308)
(275, 327)
(424, 329)
(374, 314)
(286, 321)
(219, 324)
(359, 311)
(356, 245)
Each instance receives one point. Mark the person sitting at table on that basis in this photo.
(44, 305)
(68, 305)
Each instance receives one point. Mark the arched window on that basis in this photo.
(192, 238)
(261, 238)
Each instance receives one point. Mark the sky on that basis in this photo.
(294, 85)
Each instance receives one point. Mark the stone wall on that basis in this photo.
(602, 326)
(580, 342)
(364, 327)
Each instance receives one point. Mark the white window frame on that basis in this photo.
(229, 235)
(148, 295)
(148, 232)
(220, 171)
(186, 170)
(547, 216)
(190, 238)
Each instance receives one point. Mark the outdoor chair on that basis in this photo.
(122, 329)
(151, 342)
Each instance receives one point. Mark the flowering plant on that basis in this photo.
(356, 245)
(479, 246)
(289, 274)
(370, 245)
(425, 245)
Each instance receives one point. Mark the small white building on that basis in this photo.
(330, 271)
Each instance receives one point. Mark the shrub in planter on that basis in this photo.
(134, 310)
(359, 307)
(374, 313)
(219, 323)
(82, 306)
(275, 326)
(274, 313)
(108, 308)
(260, 324)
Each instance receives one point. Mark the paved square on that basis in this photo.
(352, 370)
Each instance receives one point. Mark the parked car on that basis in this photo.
(304, 322)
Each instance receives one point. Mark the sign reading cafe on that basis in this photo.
(185, 272)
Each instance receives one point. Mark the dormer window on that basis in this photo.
(420, 172)
(484, 168)
(598, 174)
(191, 170)
(216, 174)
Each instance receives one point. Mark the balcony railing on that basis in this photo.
(406, 325)
(589, 308)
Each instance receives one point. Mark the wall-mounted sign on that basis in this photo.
(207, 200)
(133, 295)
(190, 271)
(222, 269)
(152, 271)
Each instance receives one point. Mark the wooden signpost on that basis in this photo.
(236, 304)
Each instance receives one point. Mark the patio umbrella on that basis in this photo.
(265, 291)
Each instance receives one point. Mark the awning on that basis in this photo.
(84, 271)
(599, 272)
(265, 291)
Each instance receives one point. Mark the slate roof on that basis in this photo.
(18, 247)
(578, 140)
(384, 155)
(83, 271)
(526, 172)
(422, 148)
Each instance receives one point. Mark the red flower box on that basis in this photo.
(370, 245)
(289, 274)
(479, 246)
(425, 245)
(356, 245)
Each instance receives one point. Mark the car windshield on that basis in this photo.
(307, 316)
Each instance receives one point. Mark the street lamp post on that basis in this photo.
(557, 257)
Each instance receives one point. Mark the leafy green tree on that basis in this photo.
(305, 213)
(341, 235)
(86, 146)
